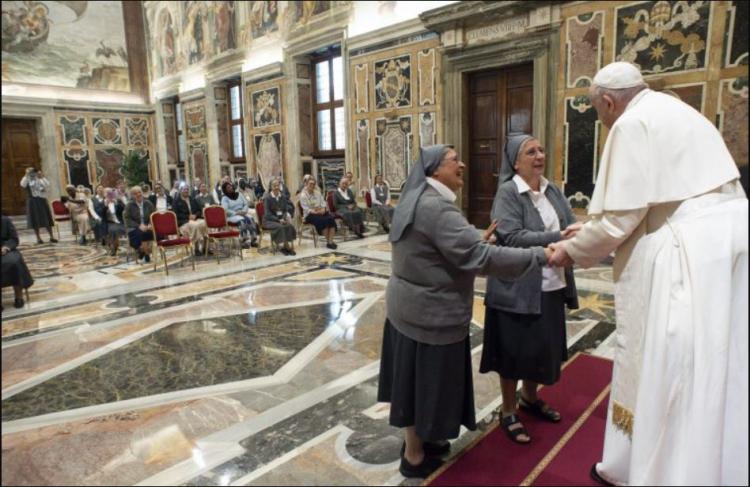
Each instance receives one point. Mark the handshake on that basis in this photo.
(555, 252)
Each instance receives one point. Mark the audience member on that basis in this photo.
(79, 211)
(204, 197)
(14, 270)
(278, 220)
(346, 205)
(38, 214)
(189, 219)
(112, 216)
(238, 212)
(315, 211)
(138, 223)
(160, 199)
(380, 195)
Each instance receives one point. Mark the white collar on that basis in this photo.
(444, 190)
(345, 194)
(524, 187)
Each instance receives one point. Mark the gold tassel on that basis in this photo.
(622, 418)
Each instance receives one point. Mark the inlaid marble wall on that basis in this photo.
(92, 145)
(395, 109)
(194, 123)
(265, 129)
(695, 51)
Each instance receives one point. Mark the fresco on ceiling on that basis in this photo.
(65, 43)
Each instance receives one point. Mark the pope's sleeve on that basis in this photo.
(601, 235)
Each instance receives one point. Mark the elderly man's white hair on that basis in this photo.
(620, 80)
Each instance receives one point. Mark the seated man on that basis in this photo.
(160, 198)
(14, 270)
(346, 206)
(138, 223)
(190, 219)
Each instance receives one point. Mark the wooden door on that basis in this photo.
(500, 103)
(20, 150)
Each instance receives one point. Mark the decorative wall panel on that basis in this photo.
(108, 165)
(662, 37)
(735, 42)
(584, 44)
(195, 122)
(733, 117)
(394, 141)
(363, 152)
(427, 132)
(137, 131)
(330, 172)
(580, 149)
(107, 131)
(222, 117)
(266, 107)
(692, 94)
(393, 83)
(77, 162)
(268, 152)
(170, 132)
(73, 130)
(198, 160)
(361, 93)
(426, 66)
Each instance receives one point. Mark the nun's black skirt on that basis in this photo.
(429, 386)
(526, 346)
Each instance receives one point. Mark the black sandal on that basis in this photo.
(513, 434)
(540, 409)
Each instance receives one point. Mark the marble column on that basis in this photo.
(212, 135)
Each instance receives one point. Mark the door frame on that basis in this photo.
(541, 49)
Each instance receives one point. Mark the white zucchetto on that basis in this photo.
(619, 75)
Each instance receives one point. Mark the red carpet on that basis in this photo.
(559, 453)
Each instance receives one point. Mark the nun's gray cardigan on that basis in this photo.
(520, 225)
(431, 289)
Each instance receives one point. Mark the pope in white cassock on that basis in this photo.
(667, 198)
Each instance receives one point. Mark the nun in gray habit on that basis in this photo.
(524, 330)
(425, 367)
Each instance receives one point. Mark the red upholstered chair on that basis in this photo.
(260, 210)
(218, 228)
(164, 225)
(332, 208)
(302, 225)
(60, 213)
(370, 214)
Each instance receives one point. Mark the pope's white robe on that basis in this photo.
(678, 410)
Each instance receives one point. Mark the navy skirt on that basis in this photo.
(429, 386)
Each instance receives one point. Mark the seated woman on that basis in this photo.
(138, 222)
(239, 212)
(204, 197)
(189, 219)
(111, 212)
(346, 206)
(160, 198)
(278, 220)
(380, 194)
(248, 192)
(95, 220)
(79, 211)
(14, 271)
(315, 211)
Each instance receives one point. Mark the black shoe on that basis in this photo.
(284, 251)
(53, 240)
(18, 303)
(141, 255)
(112, 252)
(423, 470)
(147, 258)
(360, 235)
(254, 243)
(331, 246)
(291, 252)
(387, 229)
(434, 448)
(598, 478)
(40, 241)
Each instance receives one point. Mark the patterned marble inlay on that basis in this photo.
(77, 161)
(426, 66)
(361, 92)
(662, 37)
(182, 356)
(137, 131)
(580, 150)
(65, 258)
(330, 172)
(733, 116)
(394, 142)
(692, 94)
(736, 41)
(107, 131)
(393, 83)
(427, 131)
(584, 43)
(195, 121)
(73, 130)
(108, 165)
(198, 160)
(268, 156)
(363, 152)
(266, 107)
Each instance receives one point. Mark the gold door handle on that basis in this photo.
(484, 146)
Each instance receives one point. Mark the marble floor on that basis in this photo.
(256, 371)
